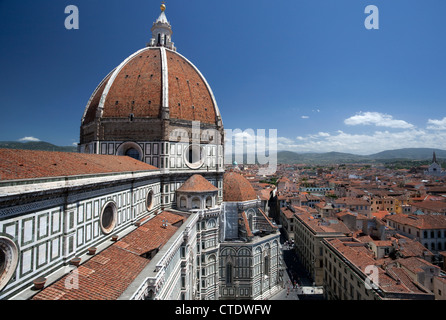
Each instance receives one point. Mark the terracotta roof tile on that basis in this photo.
(31, 164)
(197, 183)
(150, 236)
(427, 221)
(108, 274)
(237, 188)
(246, 224)
(137, 89)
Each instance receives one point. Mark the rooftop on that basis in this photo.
(31, 164)
(197, 183)
(108, 274)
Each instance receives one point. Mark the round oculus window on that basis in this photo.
(149, 200)
(133, 153)
(108, 217)
(8, 260)
(194, 156)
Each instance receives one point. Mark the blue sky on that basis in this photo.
(308, 68)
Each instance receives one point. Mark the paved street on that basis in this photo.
(294, 271)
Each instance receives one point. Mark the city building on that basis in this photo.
(434, 168)
(429, 230)
(310, 229)
(352, 273)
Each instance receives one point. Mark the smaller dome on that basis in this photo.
(197, 183)
(236, 188)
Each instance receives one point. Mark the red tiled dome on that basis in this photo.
(151, 79)
(197, 183)
(236, 188)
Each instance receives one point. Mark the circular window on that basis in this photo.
(194, 156)
(149, 200)
(108, 217)
(130, 149)
(132, 153)
(8, 260)
(2, 261)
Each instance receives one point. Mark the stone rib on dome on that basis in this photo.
(236, 188)
(197, 183)
(141, 86)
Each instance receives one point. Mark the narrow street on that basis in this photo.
(294, 275)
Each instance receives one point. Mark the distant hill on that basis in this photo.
(410, 153)
(35, 145)
(319, 158)
(413, 154)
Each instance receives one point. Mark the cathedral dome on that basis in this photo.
(153, 88)
(148, 81)
(236, 188)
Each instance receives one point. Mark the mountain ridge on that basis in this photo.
(413, 154)
(36, 145)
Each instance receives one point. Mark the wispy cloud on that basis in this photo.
(377, 119)
(28, 139)
(305, 117)
(436, 124)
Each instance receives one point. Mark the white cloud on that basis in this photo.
(365, 143)
(284, 140)
(305, 117)
(27, 139)
(377, 119)
(437, 124)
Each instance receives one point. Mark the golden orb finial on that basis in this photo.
(163, 6)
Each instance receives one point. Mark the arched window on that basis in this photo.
(211, 223)
(266, 266)
(195, 203)
(228, 273)
(183, 202)
(209, 202)
(250, 214)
